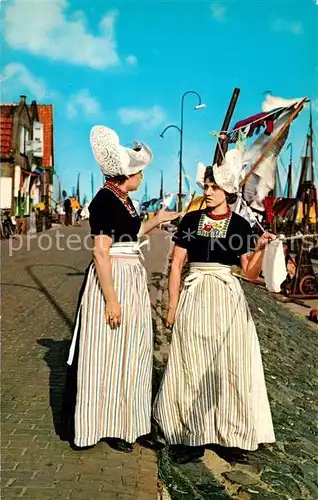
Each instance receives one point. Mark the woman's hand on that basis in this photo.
(264, 240)
(164, 216)
(171, 316)
(113, 314)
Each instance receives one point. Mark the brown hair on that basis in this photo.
(117, 179)
(208, 176)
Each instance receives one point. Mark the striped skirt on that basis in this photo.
(108, 392)
(213, 390)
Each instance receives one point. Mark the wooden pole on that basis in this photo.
(269, 146)
(222, 143)
(311, 133)
(316, 208)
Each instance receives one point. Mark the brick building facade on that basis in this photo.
(46, 118)
(27, 159)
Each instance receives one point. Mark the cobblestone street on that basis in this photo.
(287, 469)
(40, 290)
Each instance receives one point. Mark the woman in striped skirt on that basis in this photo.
(108, 391)
(213, 390)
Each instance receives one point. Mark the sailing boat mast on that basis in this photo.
(307, 160)
(161, 187)
(312, 159)
(289, 175)
(311, 146)
(306, 192)
(78, 188)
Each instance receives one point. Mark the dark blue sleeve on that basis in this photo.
(102, 214)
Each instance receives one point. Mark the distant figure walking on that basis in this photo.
(78, 216)
(85, 211)
(60, 212)
(68, 211)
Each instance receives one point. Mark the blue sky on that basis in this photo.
(126, 65)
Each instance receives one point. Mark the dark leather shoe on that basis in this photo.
(148, 441)
(120, 445)
(230, 455)
(182, 454)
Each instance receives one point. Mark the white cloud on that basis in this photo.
(132, 60)
(146, 117)
(281, 25)
(47, 28)
(218, 11)
(17, 75)
(82, 103)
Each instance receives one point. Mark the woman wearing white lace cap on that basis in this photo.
(213, 389)
(108, 389)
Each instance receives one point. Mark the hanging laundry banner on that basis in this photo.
(272, 108)
(252, 125)
(17, 180)
(5, 192)
(262, 180)
(276, 111)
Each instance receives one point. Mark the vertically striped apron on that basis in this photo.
(114, 367)
(213, 390)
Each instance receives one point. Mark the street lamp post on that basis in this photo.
(180, 129)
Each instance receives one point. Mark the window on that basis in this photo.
(38, 139)
(24, 138)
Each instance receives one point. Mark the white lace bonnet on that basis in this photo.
(228, 175)
(115, 159)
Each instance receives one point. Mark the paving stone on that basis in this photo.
(144, 495)
(45, 312)
(282, 483)
(14, 492)
(260, 494)
(241, 478)
(308, 484)
(289, 350)
(37, 324)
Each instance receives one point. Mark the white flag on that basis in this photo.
(262, 180)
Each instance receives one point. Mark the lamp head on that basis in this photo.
(199, 106)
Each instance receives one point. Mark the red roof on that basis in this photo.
(6, 126)
(46, 117)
